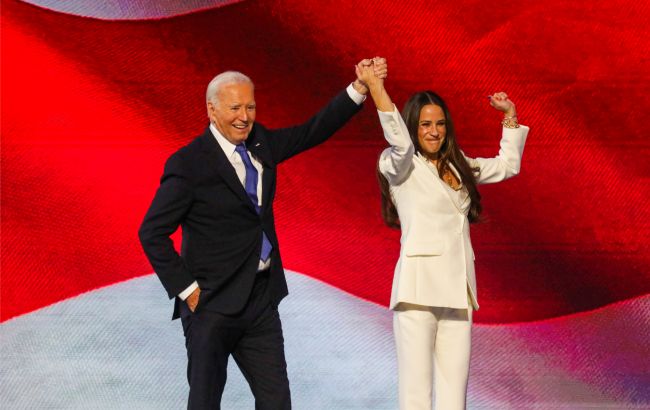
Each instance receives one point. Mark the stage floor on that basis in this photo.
(115, 348)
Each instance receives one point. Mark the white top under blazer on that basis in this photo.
(436, 261)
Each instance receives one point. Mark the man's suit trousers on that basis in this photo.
(253, 337)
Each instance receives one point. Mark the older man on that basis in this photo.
(228, 280)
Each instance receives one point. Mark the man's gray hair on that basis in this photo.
(227, 77)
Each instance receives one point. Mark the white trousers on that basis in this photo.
(433, 345)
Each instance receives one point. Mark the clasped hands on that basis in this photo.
(370, 72)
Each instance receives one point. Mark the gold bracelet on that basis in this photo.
(510, 122)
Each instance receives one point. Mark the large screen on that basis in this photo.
(97, 95)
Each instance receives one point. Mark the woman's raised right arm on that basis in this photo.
(395, 162)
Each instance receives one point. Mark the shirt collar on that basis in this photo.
(227, 146)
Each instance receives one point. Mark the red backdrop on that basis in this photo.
(92, 108)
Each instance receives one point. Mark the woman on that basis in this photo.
(429, 190)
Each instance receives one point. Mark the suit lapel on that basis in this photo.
(258, 146)
(439, 182)
(221, 165)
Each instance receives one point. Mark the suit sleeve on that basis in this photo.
(395, 162)
(287, 142)
(168, 208)
(507, 163)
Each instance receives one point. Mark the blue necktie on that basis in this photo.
(251, 189)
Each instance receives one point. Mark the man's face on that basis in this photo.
(234, 111)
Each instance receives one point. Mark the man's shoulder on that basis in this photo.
(196, 145)
(258, 129)
(185, 156)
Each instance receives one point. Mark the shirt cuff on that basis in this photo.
(355, 95)
(187, 292)
(389, 114)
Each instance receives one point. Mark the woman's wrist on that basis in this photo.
(510, 113)
(376, 88)
(380, 97)
(510, 120)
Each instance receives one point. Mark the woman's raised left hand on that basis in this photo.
(501, 102)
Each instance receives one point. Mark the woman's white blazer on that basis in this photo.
(436, 261)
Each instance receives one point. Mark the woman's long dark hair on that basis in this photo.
(449, 153)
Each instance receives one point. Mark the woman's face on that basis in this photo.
(432, 129)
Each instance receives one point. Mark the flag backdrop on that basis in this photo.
(96, 95)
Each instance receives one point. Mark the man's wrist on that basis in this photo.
(359, 87)
(188, 291)
(356, 96)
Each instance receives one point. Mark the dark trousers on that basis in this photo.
(253, 337)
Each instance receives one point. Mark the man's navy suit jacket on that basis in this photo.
(221, 230)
